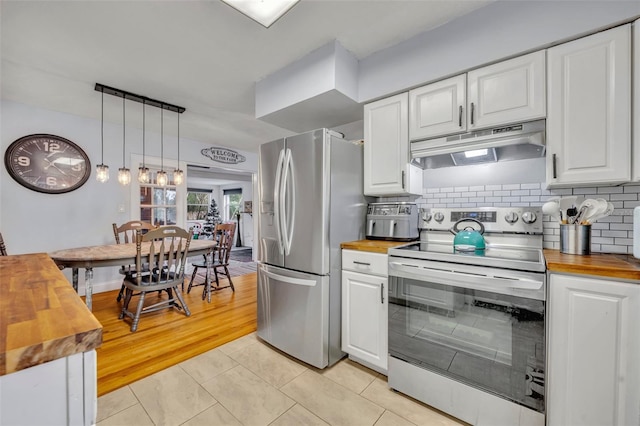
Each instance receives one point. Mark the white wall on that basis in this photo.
(246, 220)
(489, 34)
(37, 222)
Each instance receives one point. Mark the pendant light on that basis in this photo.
(178, 175)
(143, 171)
(102, 170)
(124, 174)
(161, 176)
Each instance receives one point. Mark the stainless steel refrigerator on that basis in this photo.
(311, 200)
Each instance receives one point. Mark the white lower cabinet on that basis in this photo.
(364, 308)
(58, 392)
(593, 373)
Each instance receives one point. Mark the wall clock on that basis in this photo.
(47, 163)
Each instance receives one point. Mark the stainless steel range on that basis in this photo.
(467, 328)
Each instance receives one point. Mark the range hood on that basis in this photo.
(513, 142)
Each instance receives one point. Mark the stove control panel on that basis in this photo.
(495, 219)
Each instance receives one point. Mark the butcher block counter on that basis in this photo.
(619, 266)
(41, 317)
(374, 246)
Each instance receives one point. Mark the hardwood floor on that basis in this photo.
(167, 337)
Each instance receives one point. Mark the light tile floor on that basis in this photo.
(246, 382)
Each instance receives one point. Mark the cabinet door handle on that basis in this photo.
(382, 293)
(403, 179)
(361, 263)
(472, 111)
(460, 116)
(555, 170)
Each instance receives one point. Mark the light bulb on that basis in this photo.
(161, 178)
(102, 173)
(178, 176)
(124, 176)
(143, 174)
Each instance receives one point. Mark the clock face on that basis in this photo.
(47, 163)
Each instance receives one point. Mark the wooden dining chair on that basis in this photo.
(224, 232)
(166, 258)
(3, 248)
(124, 234)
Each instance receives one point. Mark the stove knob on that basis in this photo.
(529, 217)
(426, 216)
(511, 217)
(439, 217)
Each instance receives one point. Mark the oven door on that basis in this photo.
(484, 327)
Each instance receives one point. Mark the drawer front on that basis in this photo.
(365, 262)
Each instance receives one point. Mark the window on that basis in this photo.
(232, 201)
(198, 201)
(158, 203)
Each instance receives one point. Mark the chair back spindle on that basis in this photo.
(3, 248)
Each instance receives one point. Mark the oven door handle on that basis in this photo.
(463, 279)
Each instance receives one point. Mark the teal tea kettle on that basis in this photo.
(468, 239)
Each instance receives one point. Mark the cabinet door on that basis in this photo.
(589, 119)
(438, 109)
(364, 317)
(593, 376)
(386, 147)
(507, 92)
(636, 101)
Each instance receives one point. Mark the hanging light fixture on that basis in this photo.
(143, 171)
(178, 175)
(124, 174)
(161, 176)
(102, 170)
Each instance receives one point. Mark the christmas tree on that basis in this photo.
(213, 218)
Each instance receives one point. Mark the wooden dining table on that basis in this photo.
(116, 255)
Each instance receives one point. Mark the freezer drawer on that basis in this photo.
(293, 313)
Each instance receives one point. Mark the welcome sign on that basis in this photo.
(223, 155)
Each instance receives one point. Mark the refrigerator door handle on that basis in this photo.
(288, 221)
(290, 280)
(277, 195)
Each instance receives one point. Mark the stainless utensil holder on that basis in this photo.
(575, 239)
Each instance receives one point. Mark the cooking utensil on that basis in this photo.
(468, 239)
(600, 205)
(605, 213)
(552, 208)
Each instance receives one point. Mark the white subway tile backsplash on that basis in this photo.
(624, 197)
(610, 234)
(585, 191)
(511, 186)
(620, 234)
(530, 186)
(610, 190)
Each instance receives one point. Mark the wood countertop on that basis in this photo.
(620, 266)
(617, 266)
(375, 246)
(41, 317)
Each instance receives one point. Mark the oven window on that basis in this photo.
(490, 341)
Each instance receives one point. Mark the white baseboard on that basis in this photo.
(101, 287)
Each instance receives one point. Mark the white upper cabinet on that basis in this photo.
(636, 101)
(507, 92)
(589, 111)
(438, 109)
(387, 168)
(503, 93)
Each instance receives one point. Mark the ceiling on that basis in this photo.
(201, 55)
